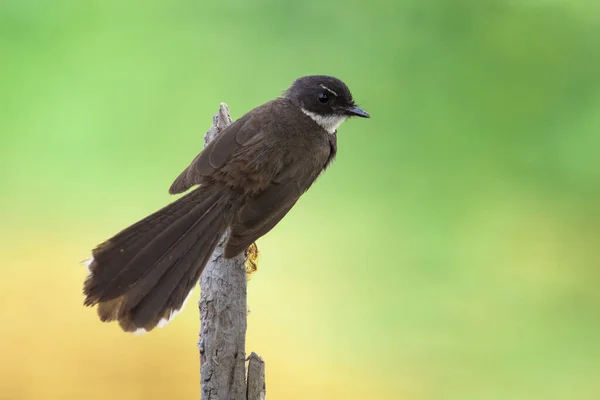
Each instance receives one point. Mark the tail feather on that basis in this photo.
(201, 242)
(110, 257)
(140, 275)
(170, 295)
(145, 269)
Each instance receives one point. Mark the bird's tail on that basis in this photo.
(143, 275)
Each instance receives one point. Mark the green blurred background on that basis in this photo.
(451, 252)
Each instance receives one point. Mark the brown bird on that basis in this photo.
(247, 179)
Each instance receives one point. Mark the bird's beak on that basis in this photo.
(356, 111)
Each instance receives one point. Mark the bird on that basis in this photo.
(243, 182)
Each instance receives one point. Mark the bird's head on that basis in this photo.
(327, 100)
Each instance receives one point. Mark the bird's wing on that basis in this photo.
(262, 212)
(216, 154)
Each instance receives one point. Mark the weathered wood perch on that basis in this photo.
(223, 313)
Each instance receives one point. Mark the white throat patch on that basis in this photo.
(329, 123)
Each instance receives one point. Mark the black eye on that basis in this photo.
(323, 98)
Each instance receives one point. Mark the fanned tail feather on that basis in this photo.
(143, 275)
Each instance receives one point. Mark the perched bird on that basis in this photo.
(246, 179)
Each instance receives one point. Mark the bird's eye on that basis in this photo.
(323, 98)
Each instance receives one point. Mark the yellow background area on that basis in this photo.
(450, 253)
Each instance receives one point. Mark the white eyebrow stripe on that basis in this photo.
(326, 88)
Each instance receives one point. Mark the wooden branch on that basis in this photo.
(223, 313)
(256, 378)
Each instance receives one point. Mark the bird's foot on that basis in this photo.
(252, 256)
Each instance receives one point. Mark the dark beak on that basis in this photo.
(356, 111)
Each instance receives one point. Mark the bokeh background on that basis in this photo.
(451, 252)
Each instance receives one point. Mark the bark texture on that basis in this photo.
(223, 312)
(256, 378)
